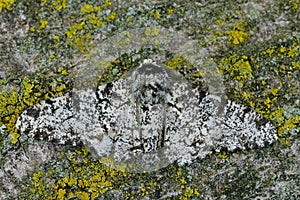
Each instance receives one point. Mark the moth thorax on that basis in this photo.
(151, 93)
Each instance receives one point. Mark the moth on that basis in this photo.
(150, 117)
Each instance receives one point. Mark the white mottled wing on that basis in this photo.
(151, 116)
(242, 128)
(51, 120)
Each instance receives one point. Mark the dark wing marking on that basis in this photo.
(152, 115)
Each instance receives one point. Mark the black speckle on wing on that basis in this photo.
(152, 109)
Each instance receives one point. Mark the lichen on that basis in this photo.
(32, 91)
(85, 179)
(268, 36)
(237, 36)
(7, 4)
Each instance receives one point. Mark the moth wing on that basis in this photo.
(243, 128)
(50, 120)
(111, 101)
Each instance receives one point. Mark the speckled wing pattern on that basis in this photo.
(150, 115)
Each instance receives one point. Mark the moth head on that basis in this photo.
(150, 83)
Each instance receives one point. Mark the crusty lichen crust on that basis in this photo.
(255, 44)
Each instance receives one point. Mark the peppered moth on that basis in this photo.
(152, 115)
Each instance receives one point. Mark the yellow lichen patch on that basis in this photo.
(152, 31)
(76, 27)
(37, 179)
(53, 56)
(296, 65)
(284, 141)
(294, 4)
(191, 72)
(246, 95)
(237, 36)
(284, 51)
(278, 115)
(222, 154)
(56, 37)
(80, 179)
(143, 190)
(80, 33)
(82, 43)
(84, 182)
(87, 8)
(155, 14)
(178, 63)
(293, 51)
(95, 21)
(61, 194)
(290, 123)
(91, 180)
(274, 91)
(146, 188)
(251, 104)
(43, 24)
(186, 192)
(107, 3)
(7, 4)
(13, 103)
(270, 50)
(59, 4)
(237, 67)
(170, 11)
(111, 17)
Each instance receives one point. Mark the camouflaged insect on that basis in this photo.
(152, 116)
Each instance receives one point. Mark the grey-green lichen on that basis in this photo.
(255, 43)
